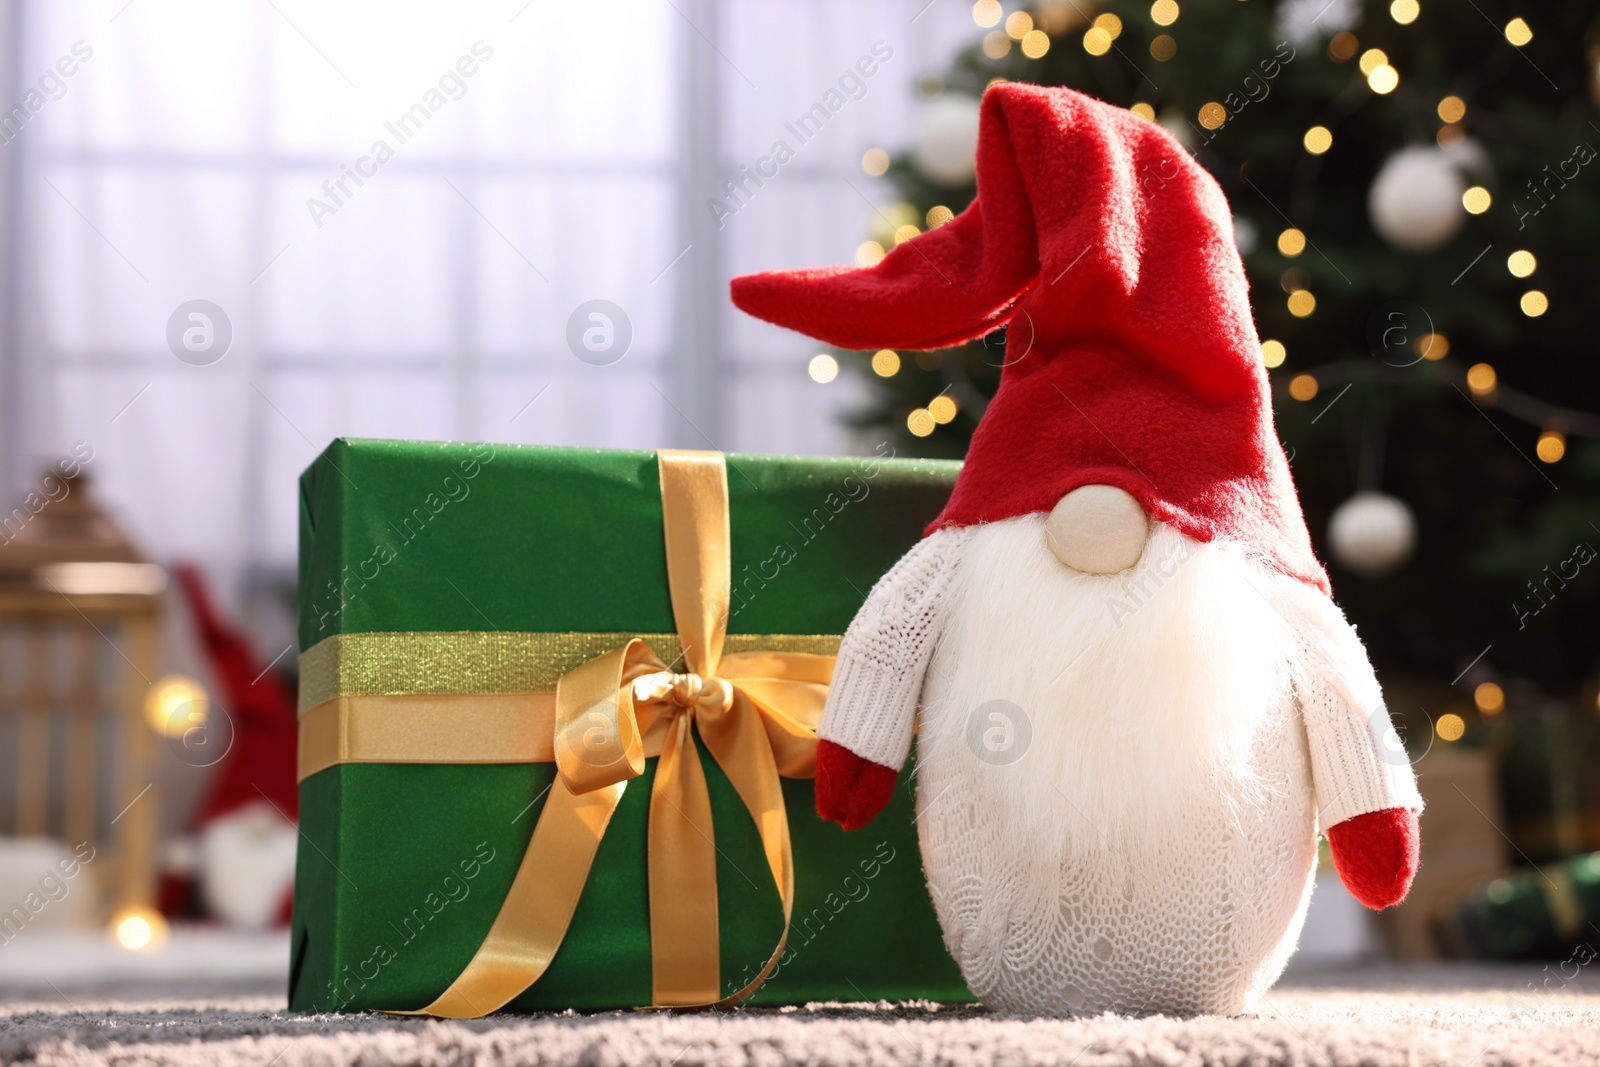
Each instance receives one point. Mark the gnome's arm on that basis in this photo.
(866, 727)
(1366, 791)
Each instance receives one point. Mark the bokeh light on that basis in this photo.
(823, 368)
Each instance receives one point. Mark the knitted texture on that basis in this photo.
(877, 676)
(1203, 925)
(1376, 855)
(1193, 913)
(1131, 358)
(1359, 762)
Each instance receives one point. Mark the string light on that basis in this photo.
(139, 929)
(1144, 111)
(1163, 48)
(1213, 115)
(1450, 727)
(1164, 12)
(1372, 59)
(1273, 353)
(1481, 379)
(1433, 346)
(1476, 200)
(874, 161)
(1518, 32)
(886, 363)
(1534, 303)
(899, 214)
(1303, 387)
(920, 422)
(1318, 140)
(869, 254)
(986, 12)
(1451, 134)
(1055, 18)
(1019, 24)
(1110, 23)
(1452, 109)
(996, 45)
(1302, 303)
(175, 705)
(1552, 446)
(942, 409)
(938, 215)
(823, 368)
(1383, 79)
(1405, 12)
(1035, 44)
(1342, 47)
(1521, 263)
(1490, 698)
(1096, 41)
(1291, 242)
(905, 233)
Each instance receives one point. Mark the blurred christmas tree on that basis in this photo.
(1417, 196)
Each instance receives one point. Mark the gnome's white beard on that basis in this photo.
(1144, 692)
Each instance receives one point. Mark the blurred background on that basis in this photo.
(230, 232)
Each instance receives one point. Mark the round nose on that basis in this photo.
(1097, 529)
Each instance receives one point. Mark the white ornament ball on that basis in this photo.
(945, 144)
(1372, 533)
(1415, 201)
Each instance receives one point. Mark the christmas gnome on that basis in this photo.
(1138, 702)
(245, 826)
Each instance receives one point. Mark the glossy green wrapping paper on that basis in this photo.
(403, 867)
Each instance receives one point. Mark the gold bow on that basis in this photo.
(756, 711)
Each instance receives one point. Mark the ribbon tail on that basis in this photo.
(739, 743)
(538, 909)
(685, 948)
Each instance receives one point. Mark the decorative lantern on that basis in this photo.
(78, 650)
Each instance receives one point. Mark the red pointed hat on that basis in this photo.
(1131, 358)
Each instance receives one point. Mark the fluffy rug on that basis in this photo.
(1405, 1016)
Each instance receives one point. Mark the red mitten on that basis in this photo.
(1376, 855)
(850, 790)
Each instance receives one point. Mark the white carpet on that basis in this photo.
(199, 958)
(1379, 1016)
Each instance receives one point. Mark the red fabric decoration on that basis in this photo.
(1131, 357)
(260, 705)
(850, 790)
(1377, 854)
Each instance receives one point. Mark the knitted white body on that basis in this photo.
(1119, 776)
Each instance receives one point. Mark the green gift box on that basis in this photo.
(439, 584)
(1544, 913)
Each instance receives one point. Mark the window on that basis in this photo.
(394, 212)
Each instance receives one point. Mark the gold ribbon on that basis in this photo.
(461, 696)
(1561, 900)
(756, 711)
